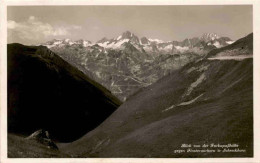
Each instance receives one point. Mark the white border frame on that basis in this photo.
(3, 77)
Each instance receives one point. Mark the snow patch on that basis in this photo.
(195, 84)
(183, 103)
(169, 108)
(85, 43)
(71, 43)
(148, 48)
(238, 58)
(168, 47)
(190, 70)
(50, 46)
(182, 49)
(203, 68)
(57, 42)
(190, 102)
(155, 40)
(113, 45)
(200, 69)
(217, 44)
(119, 37)
(118, 44)
(230, 42)
(104, 44)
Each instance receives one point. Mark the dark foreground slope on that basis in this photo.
(208, 101)
(45, 92)
(20, 147)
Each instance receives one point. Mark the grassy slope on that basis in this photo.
(139, 128)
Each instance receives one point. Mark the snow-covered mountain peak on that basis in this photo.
(117, 42)
(104, 39)
(209, 37)
(129, 36)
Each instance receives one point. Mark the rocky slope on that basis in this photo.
(208, 101)
(20, 147)
(46, 92)
(43, 137)
(126, 64)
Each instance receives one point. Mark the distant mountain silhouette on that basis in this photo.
(46, 92)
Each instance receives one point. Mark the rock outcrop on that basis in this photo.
(43, 137)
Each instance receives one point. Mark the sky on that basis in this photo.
(38, 24)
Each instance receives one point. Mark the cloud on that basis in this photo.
(34, 29)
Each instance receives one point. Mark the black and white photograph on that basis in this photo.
(129, 81)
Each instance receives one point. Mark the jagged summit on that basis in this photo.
(144, 40)
(104, 39)
(128, 36)
(209, 37)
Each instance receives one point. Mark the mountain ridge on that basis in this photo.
(45, 91)
(115, 43)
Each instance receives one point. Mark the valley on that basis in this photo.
(170, 99)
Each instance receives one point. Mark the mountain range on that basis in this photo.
(144, 44)
(127, 64)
